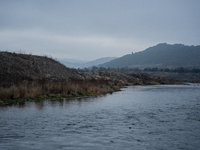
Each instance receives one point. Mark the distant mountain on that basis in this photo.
(161, 56)
(72, 60)
(97, 62)
(71, 63)
(81, 64)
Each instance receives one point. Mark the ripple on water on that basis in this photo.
(139, 117)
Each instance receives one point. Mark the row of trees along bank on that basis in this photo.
(155, 69)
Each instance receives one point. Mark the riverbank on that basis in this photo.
(42, 89)
(27, 77)
(53, 89)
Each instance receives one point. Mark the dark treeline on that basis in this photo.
(137, 70)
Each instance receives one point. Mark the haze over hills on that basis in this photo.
(98, 61)
(162, 56)
(71, 63)
(72, 60)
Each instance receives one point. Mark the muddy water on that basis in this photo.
(138, 117)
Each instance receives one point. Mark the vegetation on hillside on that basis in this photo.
(161, 56)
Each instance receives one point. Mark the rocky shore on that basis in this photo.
(25, 76)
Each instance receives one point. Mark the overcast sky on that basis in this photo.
(91, 29)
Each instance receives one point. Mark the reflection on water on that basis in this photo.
(55, 102)
(138, 117)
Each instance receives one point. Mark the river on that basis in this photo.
(159, 117)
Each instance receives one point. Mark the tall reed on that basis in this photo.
(43, 87)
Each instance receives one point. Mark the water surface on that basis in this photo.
(138, 117)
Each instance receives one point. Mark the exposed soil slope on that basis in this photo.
(15, 67)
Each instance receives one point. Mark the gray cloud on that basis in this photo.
(91, 29)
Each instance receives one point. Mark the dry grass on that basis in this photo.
(5, 93)
(36, 89)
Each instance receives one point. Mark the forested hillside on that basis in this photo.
(161, 56)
